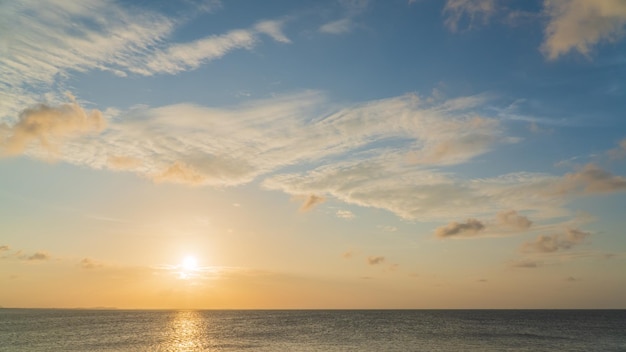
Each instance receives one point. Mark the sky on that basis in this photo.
(279, 154)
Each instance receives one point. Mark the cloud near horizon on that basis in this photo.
(39, 256)
(506, 222)
(556, 242)
(375, 260)
(469, 228)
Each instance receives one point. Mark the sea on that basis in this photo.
(312, 330)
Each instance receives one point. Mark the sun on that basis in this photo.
(189, 263)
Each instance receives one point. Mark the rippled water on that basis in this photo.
(369, 330)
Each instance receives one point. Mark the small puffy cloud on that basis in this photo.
(48, 125)
(375, 260)
(345, 214)
(87, 263)
(343, 25)
(571, 279)
(579, 25)
(388, 228)
(512, 219)
(347, 254)
(4, 248)
(454, 229)
(38, 256)
(556, 242)
(311, 201)
(458, 11)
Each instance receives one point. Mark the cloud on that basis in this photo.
(39, 256)
(512, 219)
(556, 242)
(579, 25)
(571, 279)
(4, 248)
(347, 254)
(454, 229)
(45, 42)
(590, 180)
(118, 162)
(458, 11)
(180, 173)
(87, 263)
(345, 214)
(388, 228)
(273, 29)
(311, 201)
(375, 260)
(340, 26)
(390, 154)
(526, 264)
(619, 152)
(189, 56)
(48, 125)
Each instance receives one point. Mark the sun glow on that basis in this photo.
(189, 263)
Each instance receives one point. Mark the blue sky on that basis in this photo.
(432, 147)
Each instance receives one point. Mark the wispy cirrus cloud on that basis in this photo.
(44, 42)
(391, 154)
(352, 9)
(460, 11)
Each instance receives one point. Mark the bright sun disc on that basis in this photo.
(190, 263)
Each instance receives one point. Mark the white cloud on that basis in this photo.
(579, 25)
(273, 29)
(390, 154)
(189, 56)
(44, 42)
(345, 214)
(343, 25)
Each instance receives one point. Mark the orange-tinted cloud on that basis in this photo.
(311, 201)
(48, 125)
(375, 260)
(556, 242)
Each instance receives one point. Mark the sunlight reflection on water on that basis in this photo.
(185, 332)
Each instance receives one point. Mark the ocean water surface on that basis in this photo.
(312, 330)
